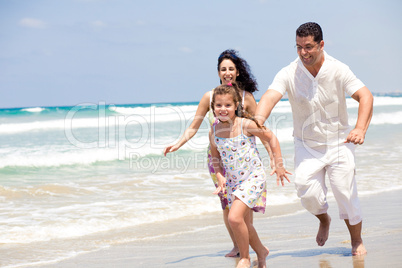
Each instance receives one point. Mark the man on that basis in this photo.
(324, 142)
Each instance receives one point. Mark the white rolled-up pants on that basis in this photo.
(338, 162)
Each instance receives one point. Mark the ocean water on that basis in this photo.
(82, 178)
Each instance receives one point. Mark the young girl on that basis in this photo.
(231, 68)
(233, 144)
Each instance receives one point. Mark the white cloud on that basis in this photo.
(32, 23)
(98, 23)
(186, 49)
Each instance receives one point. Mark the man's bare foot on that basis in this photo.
(244, 263)
(262, 258)
(233, 253)
(323, 230)
(358, 248)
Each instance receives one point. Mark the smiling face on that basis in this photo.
(310, 52)
(225, 107)
(227, 71)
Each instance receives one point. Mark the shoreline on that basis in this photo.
(394, 93)
(291, 240)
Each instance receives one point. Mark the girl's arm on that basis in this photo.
(250, 105)
(268, 136)
(203, 108)
(216, 163)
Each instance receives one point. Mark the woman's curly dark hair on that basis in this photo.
(245, 79)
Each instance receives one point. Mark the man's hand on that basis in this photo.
(356, 136)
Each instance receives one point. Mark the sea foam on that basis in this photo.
(33, 110)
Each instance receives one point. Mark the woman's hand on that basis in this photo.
(221, 184)
(170, 149)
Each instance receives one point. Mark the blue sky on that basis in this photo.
(68, 52)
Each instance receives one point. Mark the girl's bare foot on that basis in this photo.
(244, 263)
(233, 253)
(262, 258)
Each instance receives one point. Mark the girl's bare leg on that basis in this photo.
(255, 242)
(237, 215)
(235, 250)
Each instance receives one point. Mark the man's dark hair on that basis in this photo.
(310, 28)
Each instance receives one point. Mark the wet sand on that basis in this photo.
(291, 240)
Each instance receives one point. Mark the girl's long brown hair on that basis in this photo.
(233, 90)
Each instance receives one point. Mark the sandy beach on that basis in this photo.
(291, 240)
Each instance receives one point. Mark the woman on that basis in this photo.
(231, 68)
